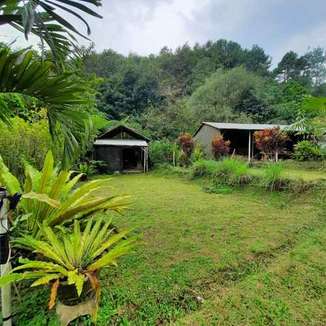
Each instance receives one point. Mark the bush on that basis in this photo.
(307, 151)
(232, 172)
(271, 142)
(220, 147)
(272, 178)
(187, 146)
(92, 167)
(23, 141)
(204, 168)
(161, 152)
(197, 154)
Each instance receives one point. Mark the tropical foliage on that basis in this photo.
(25, 77)
(27, 141)
(40, 17)
(70, 257)
(174, 91)
(220, 147)
(161, 152)
(187, 146)
(271, 142)
(307, 151)
(51, 198)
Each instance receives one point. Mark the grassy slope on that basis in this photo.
(244, 253)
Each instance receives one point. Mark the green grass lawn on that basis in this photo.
(245, 258)
(307, 171)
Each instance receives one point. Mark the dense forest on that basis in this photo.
(175, 91)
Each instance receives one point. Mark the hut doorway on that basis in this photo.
(130, 159)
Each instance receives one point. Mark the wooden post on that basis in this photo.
(6, 267)
(249, 147)
(147, 159)
(145, 151)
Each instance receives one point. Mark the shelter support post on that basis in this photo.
(145, 151)
(249, 147)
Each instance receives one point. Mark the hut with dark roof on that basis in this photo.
(122, 149)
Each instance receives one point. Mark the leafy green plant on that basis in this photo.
(204, 168)
(306, 150)
(25, 76)
(51, 198)
(24, 141)
(86, 168)
(232, 172)
(41, 18)
(272, 178)
(198, 153)
(161, 151)
(70, 257)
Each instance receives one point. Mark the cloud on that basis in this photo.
(145, 26)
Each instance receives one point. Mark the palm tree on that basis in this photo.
(24, 75)
(41, 18)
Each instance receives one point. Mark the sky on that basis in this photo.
(145, 26)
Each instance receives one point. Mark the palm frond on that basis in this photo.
(71, 256)
(40, 17)
(25, 76)
(50, 198)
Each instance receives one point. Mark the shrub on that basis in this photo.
(161, 152)
(272, 178)
(307, 151)
(204, 168)
(232, 172)
(86, 168)
(187, 146)
(198, 153)
(92, 167)
(23, 141)
(271, 142)
(220, 147)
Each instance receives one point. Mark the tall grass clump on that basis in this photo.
(232, 172)
(204, 168)
(273, 179)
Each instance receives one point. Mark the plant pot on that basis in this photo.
(67, 294)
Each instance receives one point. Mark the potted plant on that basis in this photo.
(70, 260)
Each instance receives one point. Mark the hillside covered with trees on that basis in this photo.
(175, 91)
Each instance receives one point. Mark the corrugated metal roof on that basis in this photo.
(244, 126)
(121, 142)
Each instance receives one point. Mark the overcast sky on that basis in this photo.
(145, 26)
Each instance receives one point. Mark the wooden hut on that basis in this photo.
(122, 149)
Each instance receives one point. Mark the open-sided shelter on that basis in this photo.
(240, 135)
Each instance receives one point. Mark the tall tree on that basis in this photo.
(316, 66)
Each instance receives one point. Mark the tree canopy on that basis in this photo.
(174, 91)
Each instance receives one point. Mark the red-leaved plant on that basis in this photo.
(220, 147)
(271, 142)
(187, 146)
